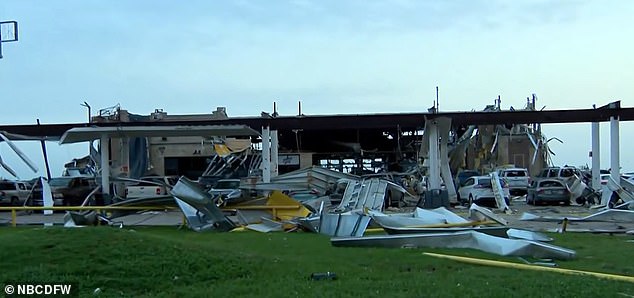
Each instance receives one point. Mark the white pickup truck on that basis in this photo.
(516, 178)
(14, 192)
(152, 186)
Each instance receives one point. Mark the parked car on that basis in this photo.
(72, 191)
(559, 172)
(14, 192)
(151, 186)
(462, 176)
(479, 190)
(548, 191)
(517, 179)
(68, 191)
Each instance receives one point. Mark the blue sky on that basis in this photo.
(334, 56)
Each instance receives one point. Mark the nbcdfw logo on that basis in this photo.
(39, 289)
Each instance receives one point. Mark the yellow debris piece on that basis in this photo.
(238, 145)
(277, 198)
(222, 150)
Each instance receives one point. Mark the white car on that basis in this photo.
(478, 189)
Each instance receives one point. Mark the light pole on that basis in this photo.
(85, 104)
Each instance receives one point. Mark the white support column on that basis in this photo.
(444, 126)
(434, 162)
(615, 163)
(266, 155)
(104, 145)
(274, 154)
(596, 157)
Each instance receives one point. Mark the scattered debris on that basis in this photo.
(197, 206)
(609, 215)
(323, 276)
(465, 239)
(352, 224)
(480, 214)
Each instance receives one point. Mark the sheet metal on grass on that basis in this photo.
(343, 224)
(419, 217)
(609, 215)
(465, 239)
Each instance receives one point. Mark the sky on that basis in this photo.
(336, 57)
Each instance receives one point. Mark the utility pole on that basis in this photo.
(85, 104)
(437, 104)
(8, 33)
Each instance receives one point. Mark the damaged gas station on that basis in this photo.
(375, 180)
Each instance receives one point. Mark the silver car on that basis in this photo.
(548, 191)
(517, 180)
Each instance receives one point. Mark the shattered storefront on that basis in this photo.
(485, 147)
(494, 146)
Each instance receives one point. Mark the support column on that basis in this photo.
(596, 157)
(615, 163)
(274, 154)
(434, 162)
(266, 155)
(105, 164)
(444, 126)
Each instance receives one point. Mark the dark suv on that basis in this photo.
(72, 191)
(69, 191)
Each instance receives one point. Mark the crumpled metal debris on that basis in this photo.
(367, 193)
(197, 205)
(465, 239)
(351, 224)
(419, 217)
(74, 219)
(527, 235)
(609, 215)
(623, 191)
(266, 226)
(480, 214)
(313, 177)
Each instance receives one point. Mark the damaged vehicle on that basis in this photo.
(548, 191)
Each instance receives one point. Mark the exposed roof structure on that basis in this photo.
(83, 134)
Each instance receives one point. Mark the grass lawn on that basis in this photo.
(167, 262)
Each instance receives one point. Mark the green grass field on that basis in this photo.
(167, 262)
